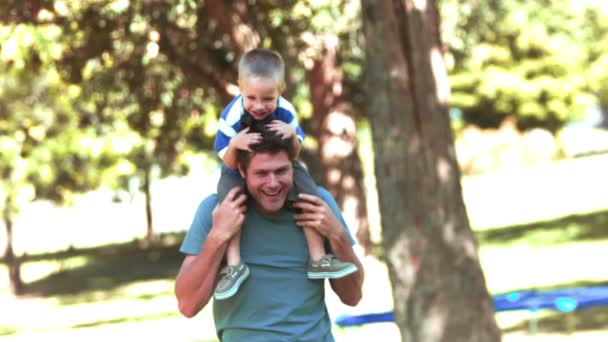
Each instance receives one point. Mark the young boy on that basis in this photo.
(261, 82)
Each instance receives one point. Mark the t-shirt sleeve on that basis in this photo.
(200, 226)
(331, 202)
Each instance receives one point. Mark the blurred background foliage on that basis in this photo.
(541, 61)
(118, 93)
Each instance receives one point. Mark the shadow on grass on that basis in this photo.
(121, 320)
(587, 227)
(108, 267)
(569, 229)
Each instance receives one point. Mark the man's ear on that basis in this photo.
(241, 171)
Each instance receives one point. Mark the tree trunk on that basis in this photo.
(439, 288)
(335, 129)
(150, 237)
(12, 262)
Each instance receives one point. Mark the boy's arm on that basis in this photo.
(241, 141)
(289, 132)
(297, 145)
(229, 157)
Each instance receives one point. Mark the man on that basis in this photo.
(278, 302)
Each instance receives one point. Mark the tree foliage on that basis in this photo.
(532, 60)
(146, 79)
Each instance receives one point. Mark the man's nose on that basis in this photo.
(273, 180)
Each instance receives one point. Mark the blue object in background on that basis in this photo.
(563, 300)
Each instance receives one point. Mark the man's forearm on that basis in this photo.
(196, 280)
(349, 288)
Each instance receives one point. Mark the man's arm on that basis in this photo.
(349, 288)
(317, 214)
(196, 279)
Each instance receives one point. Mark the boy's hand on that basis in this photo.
(243, 139)
(285, 130)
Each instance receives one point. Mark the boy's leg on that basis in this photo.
(235, 272)
(316, 249)
(227, 182)
(304, 184)
(233, 252)
(321, 265)
(302, 181)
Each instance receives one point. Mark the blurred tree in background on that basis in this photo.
(540, 61)
(45, 150)
(125, 91)
(152, 76)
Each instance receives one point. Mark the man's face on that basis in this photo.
(269, 179)
(260, 96)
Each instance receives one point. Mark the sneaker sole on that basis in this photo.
(234, 289)
(333, 275)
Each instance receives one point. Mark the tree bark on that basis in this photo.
(439, 288)
(13, 263)
(334, 126)
(150, 236)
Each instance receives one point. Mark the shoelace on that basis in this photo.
(231, 271)
(326, 260)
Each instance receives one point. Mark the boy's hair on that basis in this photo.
(271, 143)
(263, 63)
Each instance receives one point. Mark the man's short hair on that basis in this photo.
(263, 63)
(271, 143)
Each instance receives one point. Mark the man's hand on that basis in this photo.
(229, 216)
(317, 214)
(243, 139)
(285, 130)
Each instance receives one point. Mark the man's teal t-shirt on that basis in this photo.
(277, 302)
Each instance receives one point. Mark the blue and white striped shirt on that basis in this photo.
(230, 122)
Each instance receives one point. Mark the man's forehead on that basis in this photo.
(263, 159)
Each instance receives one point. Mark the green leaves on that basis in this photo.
(529, 59)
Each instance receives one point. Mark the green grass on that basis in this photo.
(573, 228)
(100, 283)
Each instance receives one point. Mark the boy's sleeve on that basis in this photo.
(287, 114)
(228, 125)
(331, 202)
(200, 227)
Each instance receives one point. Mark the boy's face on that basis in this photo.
(260, 96)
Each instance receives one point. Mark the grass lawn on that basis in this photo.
(108, 290)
